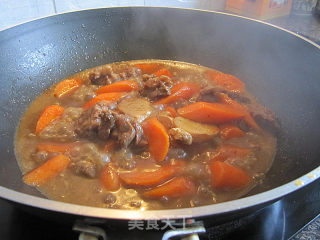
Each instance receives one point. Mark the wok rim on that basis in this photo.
(122, 214)
(202, 211)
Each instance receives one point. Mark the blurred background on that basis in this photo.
(300, 16)
(17, 11)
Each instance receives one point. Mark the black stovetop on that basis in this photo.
(284, 219)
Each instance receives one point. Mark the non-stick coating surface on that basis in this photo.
(278, 67)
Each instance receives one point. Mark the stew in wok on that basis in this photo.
(148, 134)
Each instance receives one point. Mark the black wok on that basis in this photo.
(279, 67)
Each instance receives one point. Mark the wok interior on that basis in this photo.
(279, 68)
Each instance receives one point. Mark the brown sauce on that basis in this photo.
(78, 186)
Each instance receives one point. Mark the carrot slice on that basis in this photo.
(148, 68)
(163, 71)
(143, 178)
(104, 96)
(224, 98)
(158, 139)
(230, 151)
(49, 114)
(210, 112)
(224, 175)
(177, 187)
(46, 171)
(55, 147)
(172, 111)
(170, 99)
(182, 90)
(121, 86)
(228, 131)
(110, 178)
(227, 81)
(66, 87)
(195, 88)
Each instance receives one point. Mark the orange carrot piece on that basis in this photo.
(104, 96)
(172, 111)
(110, 178)
(183, 90)
(66, 87)
(185, 85)
(224, 175)
(170, 99)
(163, 71)
(46, 171)
(148, 68)
(228, 131)
(144, 178)
(177, 187)
(158, 139)
(210, 112)
(229, 151)
(56, 147)
(227, 81)
(49, 114)
(121, 86)
(224, 98)
(110, 146)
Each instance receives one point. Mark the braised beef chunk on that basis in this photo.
(106, 75)
(156, 87)
(96, 79)
(126, 72)
(86, 160)
(40, 156)
(110, 198)
(125, 159)
(103, 75)
(240, 97)
(166, 119)
(97, 121)
(139, 132)
(264, 117)
(181, 135)
(128, 130)
(62, 129)
(197, 170)
(84, 94)
(209, 94)
(143, 140)
(86, 168)
(101, 119)
(261, 114)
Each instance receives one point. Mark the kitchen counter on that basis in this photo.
(305, 25)
(18, 11)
